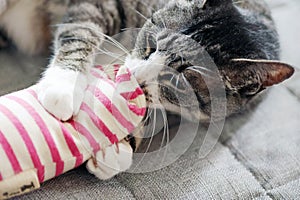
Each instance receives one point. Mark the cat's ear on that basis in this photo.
(215, 3)
(270, 72)
(252, 76)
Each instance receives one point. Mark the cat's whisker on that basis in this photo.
(154, 32)
(152, 132)
(147, 19)
(139, 13)
(182, 60)
(172, 78)
(117, 44)
(177, 80)
(142, 125)
(201, 72)
(204, 69)
(117, 56)
(127, 29)
(116, 59)
(86, 40)
(148, 115)
(103, 51)
(208, 72)
(195, 70)
(147, 5)
(236, 2)
(166, 133)
(144, 130)
(109, 53)
(185, 80)
(164, 23)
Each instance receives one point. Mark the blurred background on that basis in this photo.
(286, 14)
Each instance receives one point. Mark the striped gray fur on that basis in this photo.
(81, 33)
(226, 30)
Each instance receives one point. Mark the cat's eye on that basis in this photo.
(178, 62)
(183, 67)
(251, 90)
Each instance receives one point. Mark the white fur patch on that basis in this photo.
(112, 162)
(147, 71)
(61, 92)
(184, 3)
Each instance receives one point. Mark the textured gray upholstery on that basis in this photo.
(257, 157)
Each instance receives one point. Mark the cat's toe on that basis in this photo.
(113, 161)
(60, 102)
(125, 155)
(62, 94)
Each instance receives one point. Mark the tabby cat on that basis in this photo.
(239, 36)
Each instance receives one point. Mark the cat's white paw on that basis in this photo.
(112, 162)
(61, 92)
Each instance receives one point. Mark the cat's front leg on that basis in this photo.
(61, 89)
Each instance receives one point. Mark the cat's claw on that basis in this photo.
(61, 92)
(113, 161)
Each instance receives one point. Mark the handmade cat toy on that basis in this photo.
(35, 146)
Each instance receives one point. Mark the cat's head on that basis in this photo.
(171, 47)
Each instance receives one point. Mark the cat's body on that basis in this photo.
(239, 36)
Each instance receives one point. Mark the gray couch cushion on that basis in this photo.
(290, 190)
(269, 147)
(219, 175)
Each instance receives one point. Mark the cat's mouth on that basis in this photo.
(181, 104)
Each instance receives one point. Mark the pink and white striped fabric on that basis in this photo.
(35, 145)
